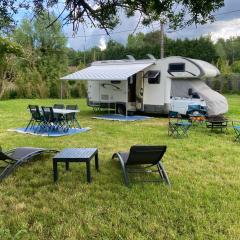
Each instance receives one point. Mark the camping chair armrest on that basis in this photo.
(117, 155)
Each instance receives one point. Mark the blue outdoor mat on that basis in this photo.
(117, 117)
(33, 131)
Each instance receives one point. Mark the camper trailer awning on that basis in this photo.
(109, 72)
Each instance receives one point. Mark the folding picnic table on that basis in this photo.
(43, 123)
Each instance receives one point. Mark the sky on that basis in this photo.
(227, 24)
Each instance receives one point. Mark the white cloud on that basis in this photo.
(226, 29)
(102, 43)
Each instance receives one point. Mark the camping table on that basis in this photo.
(217, 124)
(68, 155)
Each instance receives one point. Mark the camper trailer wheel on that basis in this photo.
(121, 109)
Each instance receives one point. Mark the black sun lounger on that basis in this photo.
(15, 157)
(142, 155)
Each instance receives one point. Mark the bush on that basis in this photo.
(78, 90)
(225, 83)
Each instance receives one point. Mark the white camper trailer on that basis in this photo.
(151, 85)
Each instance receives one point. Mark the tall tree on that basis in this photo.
(8, 51)
(45, 49)
(229, 49)
(140, 45)
(114, 51)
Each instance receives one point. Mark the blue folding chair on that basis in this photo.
(236, 128)
(177, 127)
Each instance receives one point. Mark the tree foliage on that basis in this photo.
(9, 47)
(236, 66)
(8, 9)
(140, 44)
(34, 72)
(9, 50)
(231, 48)
(105, 14)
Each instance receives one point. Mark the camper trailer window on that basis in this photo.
(153, 77)
(176, 67)
(115, 82)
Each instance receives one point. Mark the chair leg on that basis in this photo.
(29, 124)
(185, 131)
(163, 173)
(237, 137)
(9, 169)
(172, 130)
(76, 121)
(237, 133)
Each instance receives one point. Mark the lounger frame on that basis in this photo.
(133, 160)
(12, 163)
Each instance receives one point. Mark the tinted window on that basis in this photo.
(176, 67)
(153, 77)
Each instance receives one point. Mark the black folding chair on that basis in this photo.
(12, 159)
(148, 156)
(52, 121)
(36, 120)
(177, 127)
(71, 118)
(59, 116)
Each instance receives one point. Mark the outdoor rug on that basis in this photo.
(33, 131)
(117, 117)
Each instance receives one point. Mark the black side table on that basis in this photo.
(68, 155)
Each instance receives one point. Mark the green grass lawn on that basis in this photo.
(203, 202)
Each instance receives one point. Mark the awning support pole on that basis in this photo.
(126, 96)
(67, 90)
(61, 93)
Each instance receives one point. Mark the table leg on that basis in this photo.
(96, 162)
(55, 171)
(88, 171)
(67, 165)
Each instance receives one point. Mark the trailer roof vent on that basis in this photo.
(130, 57)
(151, 56)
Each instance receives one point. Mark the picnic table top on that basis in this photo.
(64, 111)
